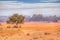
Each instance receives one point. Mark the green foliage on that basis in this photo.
(15, 18)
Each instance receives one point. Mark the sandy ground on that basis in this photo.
(31, 31)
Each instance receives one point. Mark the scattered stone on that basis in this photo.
(28, 34)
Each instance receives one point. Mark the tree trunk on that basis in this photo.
(20, 26)
(17, 25)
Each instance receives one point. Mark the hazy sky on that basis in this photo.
(29, 7)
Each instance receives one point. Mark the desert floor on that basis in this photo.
(31, 31)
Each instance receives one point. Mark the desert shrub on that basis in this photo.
(35, 38)
(14, 26)
(51, 39)
(28, 34)
(41, 37)
(30, 39)
(47, 33)
(8, 27)
(19, 26)
(58, 33)
(58, 30)
(1, 28)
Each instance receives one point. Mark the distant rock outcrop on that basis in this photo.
(3, 18)
(35, 17)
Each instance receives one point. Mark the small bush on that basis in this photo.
(35, 38)
(28, 34)
(1, 28)
(51, 39)
(14, 26)
(19, 26)
(41, 37)
(8, 27)
(47, 33)
(30, 39)
(58, 33)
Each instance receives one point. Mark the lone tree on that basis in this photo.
(16, 18)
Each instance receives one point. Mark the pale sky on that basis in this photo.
(25, 7)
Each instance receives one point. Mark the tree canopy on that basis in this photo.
(16, 18)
